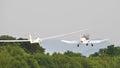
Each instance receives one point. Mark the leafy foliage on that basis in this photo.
(30, 48)
(26, 55)
(7, 37)
(109, 51)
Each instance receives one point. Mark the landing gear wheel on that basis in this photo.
(91, 44)
(87, 44)
(77, 45)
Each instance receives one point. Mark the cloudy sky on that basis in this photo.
(52, 17)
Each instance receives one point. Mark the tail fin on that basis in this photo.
(30, 38)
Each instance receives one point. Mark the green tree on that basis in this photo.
(7, 37)
(110, 51)
(70, 53)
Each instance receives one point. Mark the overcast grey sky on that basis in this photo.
(51, 17)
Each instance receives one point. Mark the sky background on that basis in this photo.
(45, 18)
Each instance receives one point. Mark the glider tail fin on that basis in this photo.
(30, 38)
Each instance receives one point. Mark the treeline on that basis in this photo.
(15, 55)
(27, 46)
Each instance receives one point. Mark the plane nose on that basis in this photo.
(81, 41)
